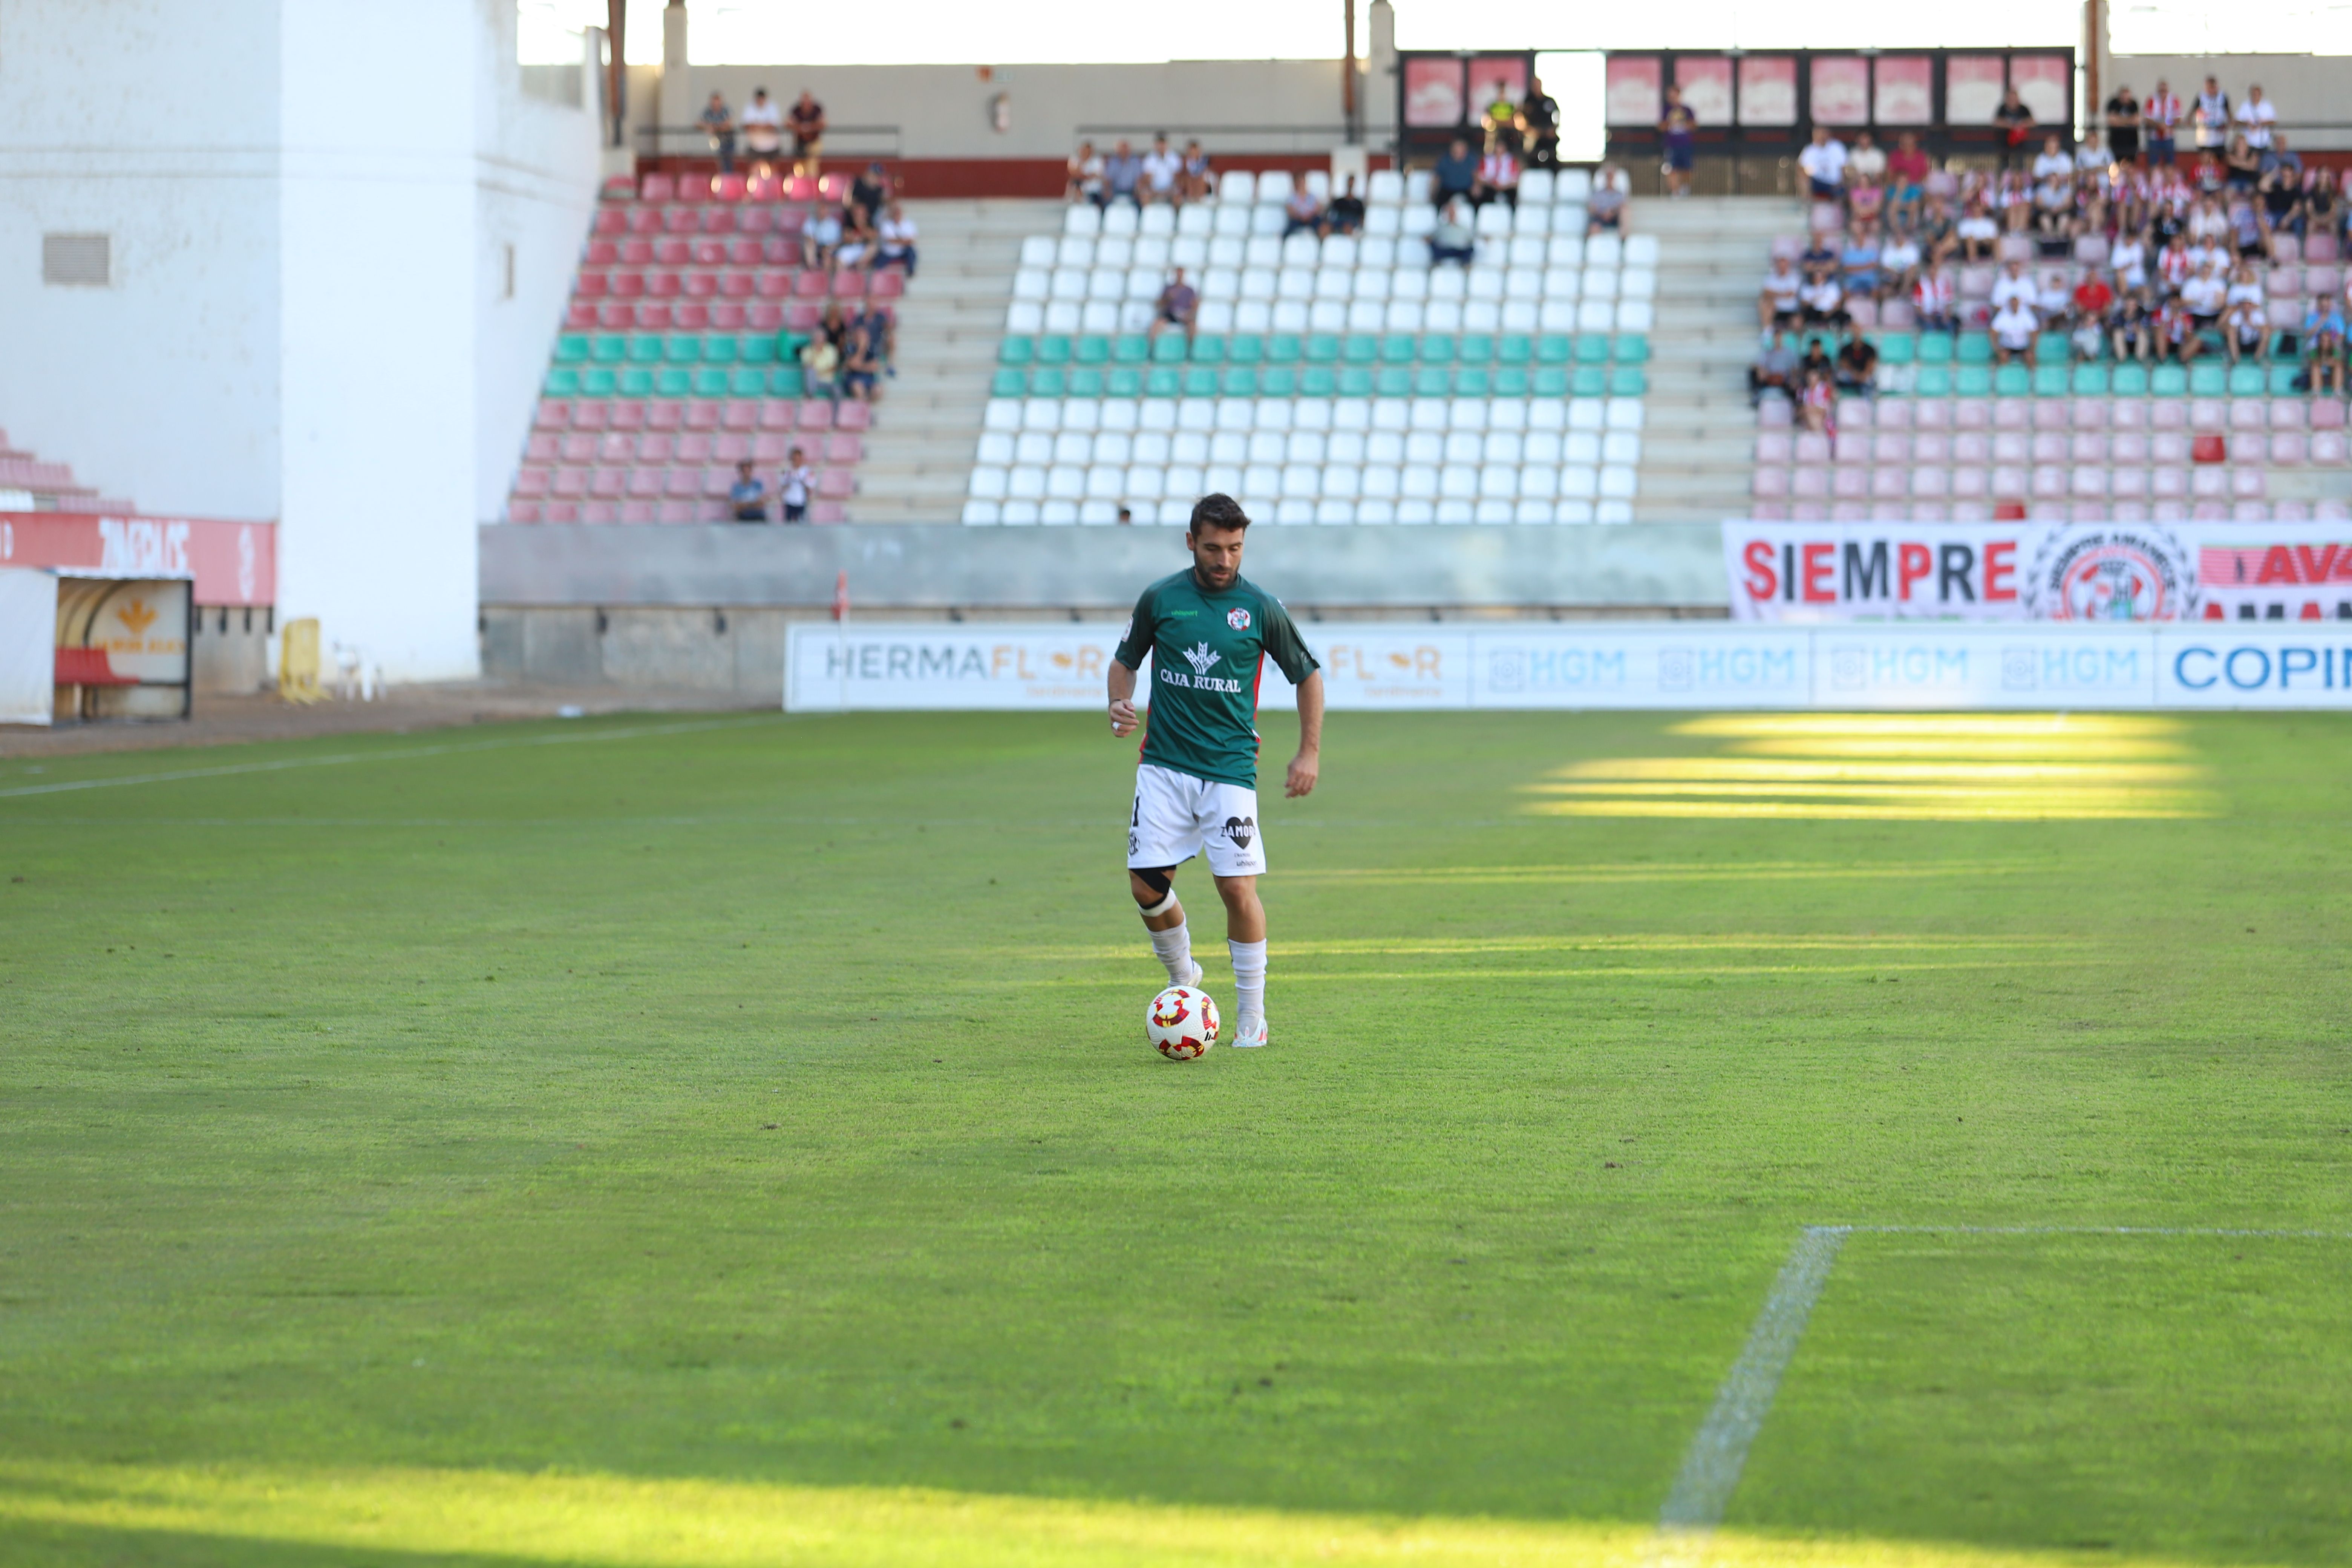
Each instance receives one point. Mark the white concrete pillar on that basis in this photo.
(678, 108)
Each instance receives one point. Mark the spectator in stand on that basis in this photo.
(1936, 300)
(1162, 168)
(1777, 305)
(718, 124)
(1177, 306)
(2322, 346)
(1899, 260)
(2245, 288)
(2175, 331)
(2015, 122)
(2014, 328)
(2243, 166)
(1122, 175)
(807, 119)
(1865, 198)
(1939, 239)
(2053, 300)
(1457, 174)
(2159, 118)
(1301, 213)
(820, 371)
(859, 241)
(1977, 231)
(897, 236)
(1857, 366)
(2128, 256)
(2211, 114)
(2205, 294)
(1775, 370)
(1499, 120)
(1824, 162)
(2132, 328)
(747, 498)
(1819, 255)
(2256, 118)
(871, 191)
(1499, 178)
(2279, 155)
(2249, 233)
(820, 237)
(794, 485)
(860, 366)
(2245, 328)
(1539, 126)
(2123, 124)
(1604, 209)
(1193, 181)
(763, 132)
(2013, 286)
(1084, 183)
(2094, 304)
(1678, 135)
(2323, 205)
(2093, 160)
(1451, 240)
(1907, 173)
(1823, 302)
(1866, 160)
(1816, 399)
(1858, 264)
(1345, 212)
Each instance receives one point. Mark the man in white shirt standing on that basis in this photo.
(2255, 117)
(1823, 162)
(2212, 114)
(763, 136)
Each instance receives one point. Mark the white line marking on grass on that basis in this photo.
(567, 738)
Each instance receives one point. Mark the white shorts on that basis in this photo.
(1177, 817)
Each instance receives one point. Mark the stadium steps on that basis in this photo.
(1699, 434)
(28, 484)
(918, 457)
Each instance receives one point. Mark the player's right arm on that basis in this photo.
(1122, 700)
(1125, 661)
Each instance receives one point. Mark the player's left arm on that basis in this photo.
(1304, 767)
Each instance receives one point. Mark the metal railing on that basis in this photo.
(842, 142)
(1217, 138)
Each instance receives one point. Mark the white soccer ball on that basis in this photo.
(1181, 1022)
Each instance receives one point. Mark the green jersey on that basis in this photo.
(1205, 649)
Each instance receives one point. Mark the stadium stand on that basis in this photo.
(678, 357)
(28, 484)
(1337, 380)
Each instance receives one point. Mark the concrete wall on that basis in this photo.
(2309, 89)
(310, 317)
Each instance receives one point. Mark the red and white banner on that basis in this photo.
(1973, 571)
(2259, 573)
(232, 563)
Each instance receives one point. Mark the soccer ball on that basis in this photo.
(1181, 1022)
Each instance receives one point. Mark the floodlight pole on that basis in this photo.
(2095, 33)
(1348, 72)
(616, 68)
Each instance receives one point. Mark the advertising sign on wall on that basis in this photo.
(232, 563)
(1982, 571)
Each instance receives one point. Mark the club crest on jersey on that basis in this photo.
(1201, 656)
(1238, 619)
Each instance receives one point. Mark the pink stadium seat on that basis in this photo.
(2128, 447)
(2048, 447)
(555, 413)
(1768, 511)
(1897, 316)
(1810, 484)
(542, 446)
(1890, 484)
(888, 285)
(522, 511)
(836, 484)
(2052, 415)
(2010, 413)
(1893, 415)
(673, 252)
(610, 222)
(1808, 511)
(2168, 447)
(828, 512)
(2010, 449)
(1812, 449)
(773, 285)
(709, 253)
(816, 413)
(1849, 484)
(2168, 483)
(2092, 249)
(2208, 413)
(600, 512)
(1856, 413)
(1931, 446)
(2328, 447)
(2325, 280)
(740, 415)
(2208, 483)
(2009, 483)
(2288, 448)
(2249, 413)
(637, 251)
(607, 484)
(633, 416)
(762, 188)
(694, 448)
(1852, 511)
(580, 316)
(2087, 446)
(1824, 218)
(2128, 484)
(751, 219)
(532, 482)
(1930, 483)
(690, 316)
(675, 512)
(591, 415)
(2289, 414)
(1770, 482)
(779, 250)
(593, 285)
(654, 316)
(653, 446)
(603, 253)
(2246, 484)
(1863, 314)
(1971, 446)
(571, 484)
(2250, 447)
(2091, 412)
(702, 415)
(616, 317)
(1774, 447)
(848, 285)
(663, 285)
(623, 284)
(727, 317)
(2328, 414)
(614, 447)
(657, 188)
(2259, 511)
(2167, 413)
(844, 447)
(776, 413)
(2050, 484)
(732, 448)
(809, 286)
(716, 481)
(768, 446)
(1851, 448)
(854, 417)
(728, 187)
(2087, 482)
(644, 219)
(1977, 282)
(679, 220)
(2128, 413)
(682, 484)
(1774, 414)
(1973, 414)
(1890, 448)
(2284, 282)
(800, 188)
(742, 253)
(638, 511)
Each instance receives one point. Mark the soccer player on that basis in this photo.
(1196, 780)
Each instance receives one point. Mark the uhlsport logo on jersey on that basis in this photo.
(1201, 658)
(1238, 619)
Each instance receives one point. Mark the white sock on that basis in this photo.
(1173, 947)
(1249, 980)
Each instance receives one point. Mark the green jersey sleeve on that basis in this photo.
(1140, 631)
(1282, 643)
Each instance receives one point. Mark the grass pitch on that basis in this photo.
(732, 1141)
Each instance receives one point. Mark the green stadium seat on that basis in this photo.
(645, 349)
(1162, 380)
(708, 382)
(1123, 380)
(1432, 381)
(1588, 381)
(1592, 348)
(2012, 380)
(1397, 348)
(1238, 381)
(1209, 348)
(1934, 381)
(1393, 381)
(1473, 381)
(609, 348)
(2052, 348)
(1436, 348)
(2091, 380)
(1554, 348)
(670, 381)
(1974, 348)
(1246, 348)
(682, 349)
(784, 381)
(1283, 347)
(1053, 348)
(718, 349)
(1085, 381)
(1629, 381)
(562, 382)
(1322, 348)
(1092, 349)
(2050, 380)
(789, 346)
(1015, 351)
(2208, 381)
(1360, 350)
(1282, 380)
(2245, 380)
(1355, 381)
(1510, 381)
(1973, 381)
(1898, 348)
(1132, 348)
(1550, 381)
(1049, 380)
(1200, 381)
(1514, 348)
(1475, 348)
(744, 381)
(2168, 381)
(599, 383)
(1633, 347)
(757, 348)
(1319, 381)
(2282, 380)
(570, 348)
(1007, 383)
(1934, 348)
(1169, 349)
(2129, 380)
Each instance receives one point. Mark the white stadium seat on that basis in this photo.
(1001, 413)
(988, 482)
(1037, 250)
(982, 513)
(1385, 186)
(1083, 218)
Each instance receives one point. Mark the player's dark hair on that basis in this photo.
(1218, 510)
